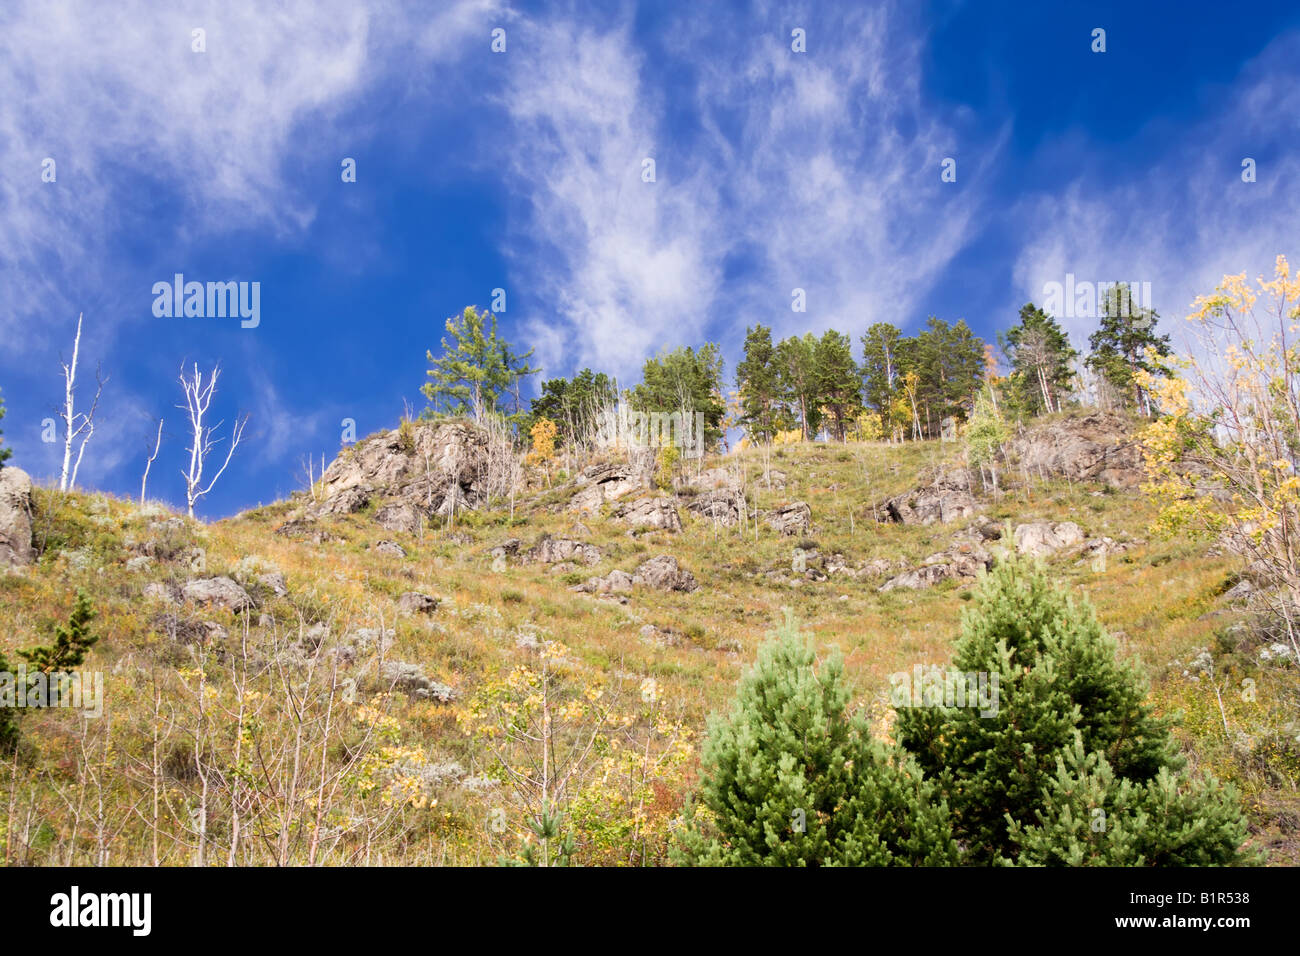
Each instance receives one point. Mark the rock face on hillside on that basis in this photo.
(549, 550)
(791, 519)
(725, 506)
(1040, 538)
(662, 573)
(943, 495)
(659, 514)
(1099, 446)
(428, 469)
(15, 518)
(218, 592)
(964, 560)
(610, 481)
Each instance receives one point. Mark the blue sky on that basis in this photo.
(522, 170)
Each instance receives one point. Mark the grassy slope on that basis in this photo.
(1158, 597)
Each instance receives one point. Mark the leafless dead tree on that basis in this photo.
(76, 424)
(198, 397)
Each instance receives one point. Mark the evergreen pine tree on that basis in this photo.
(839, 381)
(1067, 710)
(1122, 347)
(796, 359)
(71, 643)
(477, 371)
(573, 404)
(792, 779)
(758, 382)
(1041, 361)
(8, 717)
(880, 370)
(686, 381)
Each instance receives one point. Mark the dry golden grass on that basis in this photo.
(1158, 597)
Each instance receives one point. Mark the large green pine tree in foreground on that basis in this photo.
(792, 779)
(1069, 768)
(1073, 768)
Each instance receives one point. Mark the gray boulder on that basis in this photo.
(656, 513)
(412, 679)
(610, 481)
(15, 518)
(945, 495)
(791, 519)
(725, 506)
(217, 592)
(413, 602)
(399, 516)
(549, 550)
(1038, 538)
(961, 562)
(664, 573)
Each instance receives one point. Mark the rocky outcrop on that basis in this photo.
(662, 572)
(15, 518)
(657, 513)
(616, 582)
(550, 550)
(712, 479)
(217, 592)
(962, 561)
(1039, 538)
(304, 529)
(610, 481)
(421, 469)
(791, 519)
(1099, 446)
(399, 516)
(724, 506)
(164, 592)
(945, 495)
(390, 548)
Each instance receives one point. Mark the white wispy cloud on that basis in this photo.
(1187, 219)
(118, 97)
(815, 170)
(116, 91)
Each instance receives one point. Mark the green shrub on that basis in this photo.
(790, 778)
(1071, 766)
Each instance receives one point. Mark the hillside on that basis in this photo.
(326, 679)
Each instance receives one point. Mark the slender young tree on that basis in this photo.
(477, 371)
(880, 369)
